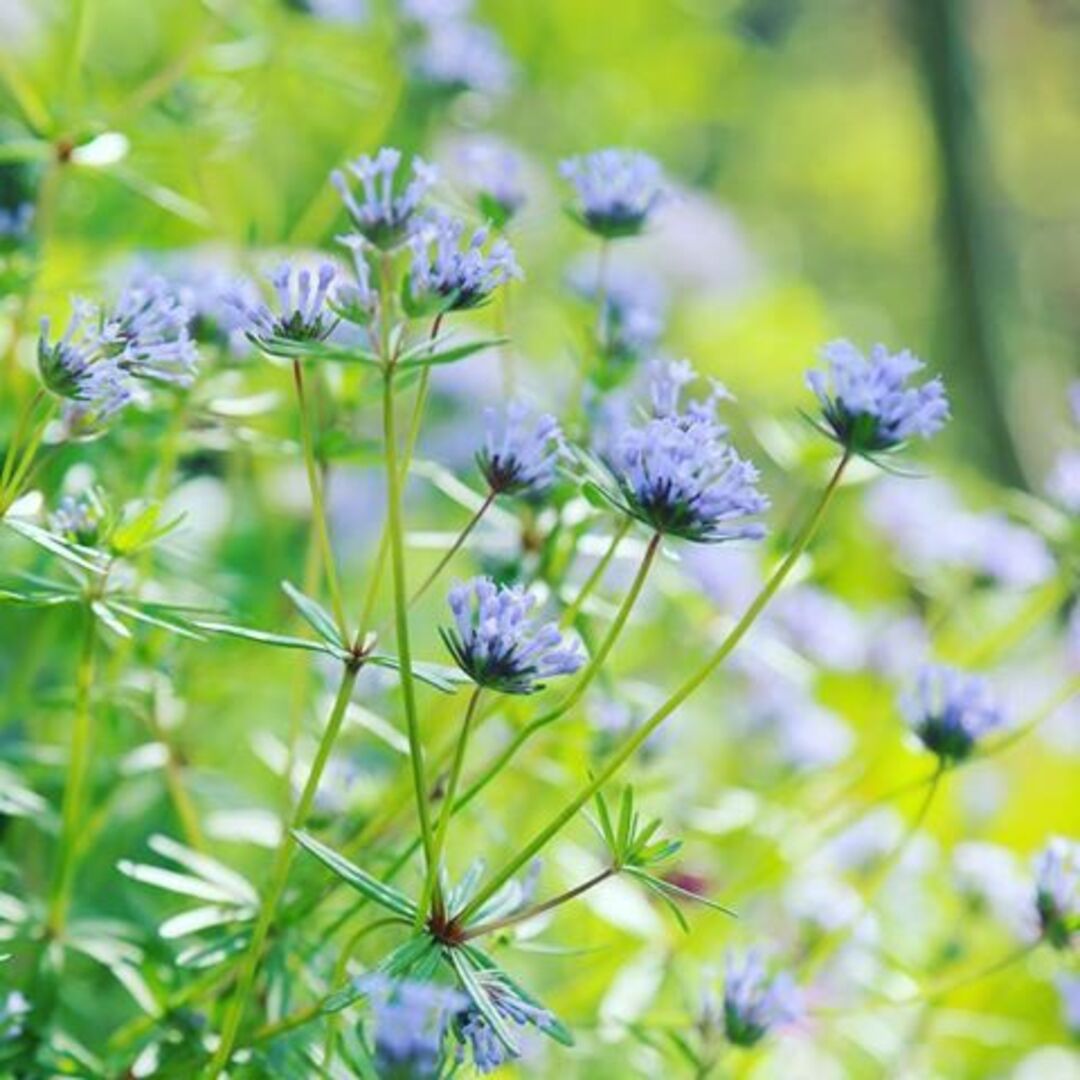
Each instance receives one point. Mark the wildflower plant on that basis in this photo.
(248, 563)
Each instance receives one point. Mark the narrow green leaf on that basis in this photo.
(446, 356)
(264, 637)
(360, 880)
(440, 676)
(87, 558)
(479, 997)
(316, 616)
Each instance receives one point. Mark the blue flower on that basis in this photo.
(75, 368)
(519, 457)
(677, 473)
(1057, 890)
(456, 55)
(303, 312)
(385, 211)
(488, 1052)
(493, 174)
(148, 333)
(753, 1003)
(79, 518)
(867, 402)
(16, 222)
(460, 277)
(411, 1019)
(951, 711)
(498, 645)
(632, 313)
(617, 190)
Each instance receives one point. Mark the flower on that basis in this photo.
(488, 1051)
(456, 55)
(752, 1002)
(1069, 989)
(1063, 483)
(677, 473)
(493, 174)
(14, 1008)
(498, 645)
(990, 878)
(950, 711)
(386, 212)
(1057, 890)
(411, 1019)
(148, 333)
(617, 190)
(519, 457)
(461, 277)
(303, 311)
(79, 518)
(16, 222)
(632, 313)
(866, 400)
(75, 368)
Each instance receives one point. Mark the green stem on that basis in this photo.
(453, 549)
(539, 909)
(828, 944)
(279, 876)
(642, 734)
(78, 764)
(430, 892)
(594, 579)
(318, 508)
(401, 615)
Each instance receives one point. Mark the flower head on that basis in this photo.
(457, 55)
(617, 190)
(752, 1002)
(1057, 890)
(16, 223)
(951, 711)
(147, 332)
(488, 1052)
(493, 174)
(519, 453)
(497, 644)
(677, 473)
(75, 368)
(79, 518)
(632, 311)
(303, 312)
(461, 276)
(867, 402)
(384, 210)
(411, 1019)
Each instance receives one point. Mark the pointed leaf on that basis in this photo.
(360, 880)
(264, 637)
(316, 616)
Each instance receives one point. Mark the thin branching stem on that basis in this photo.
(643, 733)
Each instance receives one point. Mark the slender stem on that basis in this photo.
(539, 909)
(828, 944)
(318, 508)
(78, 764)
(430, 892)
(279, 876)
(643, 733)
(594, 579)
(401, 615)
(453, 549)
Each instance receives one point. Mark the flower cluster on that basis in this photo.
(498, 645)
(632, 309)
(385, 209)
(493, 175)
(678, 474)
(455, 56)
(303, 312)
(754, 1003)
(1057, 890)
(16, 222)
(458, 277)
(488, 1052)
(144, 337)
(617, 190)
(79, 518)
(520, 453)
(867, 402)
(951, 711)
(411, 1020)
